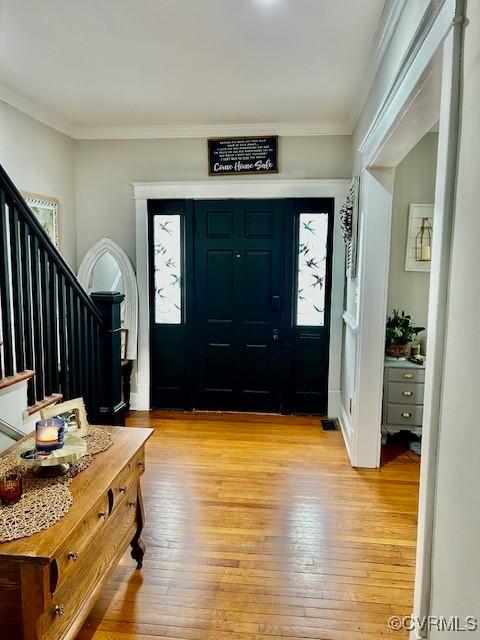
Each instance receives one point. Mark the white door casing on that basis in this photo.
(224, 189)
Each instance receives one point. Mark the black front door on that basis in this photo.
(239, 294)
(240, 304)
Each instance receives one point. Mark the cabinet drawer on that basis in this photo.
(406, 374)
(405, 392)
(404, 414)
(67, 560)
(103, 553)
(128, 477)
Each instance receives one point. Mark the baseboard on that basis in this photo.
(346, 428)
(334, 399)
(142, 397)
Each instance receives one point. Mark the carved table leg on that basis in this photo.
(138, 548)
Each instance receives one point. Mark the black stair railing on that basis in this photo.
(49, 322)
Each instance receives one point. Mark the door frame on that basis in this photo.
(442, 38)
(236, 189)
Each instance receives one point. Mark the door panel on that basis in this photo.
(238, 270)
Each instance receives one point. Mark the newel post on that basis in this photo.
(111, 407)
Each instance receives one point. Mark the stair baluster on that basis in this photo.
(49, 323)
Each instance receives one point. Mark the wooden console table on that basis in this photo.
(49, 581)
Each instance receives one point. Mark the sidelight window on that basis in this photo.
(167, 261)
(312, 262)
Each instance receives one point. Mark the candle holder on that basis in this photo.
(49, 434)
(11, 488)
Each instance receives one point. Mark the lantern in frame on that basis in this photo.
(423, 242)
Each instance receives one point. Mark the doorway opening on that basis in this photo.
(240, 297)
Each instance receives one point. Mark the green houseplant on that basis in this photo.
(399, 334)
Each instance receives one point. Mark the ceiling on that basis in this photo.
(88, 65)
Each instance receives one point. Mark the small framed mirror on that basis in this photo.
(106, 267)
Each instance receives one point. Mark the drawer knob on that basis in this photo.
(103, 514)
(73, 555)
(122, 489)
(408, 376)
(141, 464)
(406, 414)
(132, 504)
(59, 610)
(407, 393)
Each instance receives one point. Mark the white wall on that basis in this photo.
(41, 160)
(105, 169)
(456, 555)
(414, 183)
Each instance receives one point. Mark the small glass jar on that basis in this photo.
(10, 488)
(49, 434)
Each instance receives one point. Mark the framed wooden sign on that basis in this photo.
(232, 156)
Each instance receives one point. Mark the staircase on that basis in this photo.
(56, 340)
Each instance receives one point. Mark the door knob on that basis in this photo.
(275, 335)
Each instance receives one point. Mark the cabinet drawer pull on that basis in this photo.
(59, 610)
(407, 393)
(406, 414)
(73, 555)
(141, 464)
(132, 504)
(122, 489)
(103, 514)
(408, 376)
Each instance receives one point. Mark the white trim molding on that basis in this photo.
(350, 321)
(240, 189)
(141, 132)
(157, 132)
(432, 30)
(103, 246)
(389, 19)
(35, 111)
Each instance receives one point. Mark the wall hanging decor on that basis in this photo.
(230, 156)
(46, 210)
(419, 237)
(349, 226)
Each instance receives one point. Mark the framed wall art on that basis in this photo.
(415, 260)
(46, 210)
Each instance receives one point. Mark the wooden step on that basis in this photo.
(18, 377)
(43, 404)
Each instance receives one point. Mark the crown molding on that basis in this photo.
(152, 132)
(389, 20)
(212, 130)
(27, 106)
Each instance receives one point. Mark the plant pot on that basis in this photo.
(397, 350)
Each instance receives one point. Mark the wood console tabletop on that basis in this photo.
(49, 581)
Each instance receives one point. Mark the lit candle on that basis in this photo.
(49, 434)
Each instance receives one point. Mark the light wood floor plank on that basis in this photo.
(259, 528)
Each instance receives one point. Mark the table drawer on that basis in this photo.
(67, 560)
(128, 477)
(405, 374)
(404, 414)
(405, 392)
(103, 552)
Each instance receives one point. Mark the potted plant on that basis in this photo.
(399, 334)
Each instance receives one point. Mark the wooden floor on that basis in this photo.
(257, 527)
